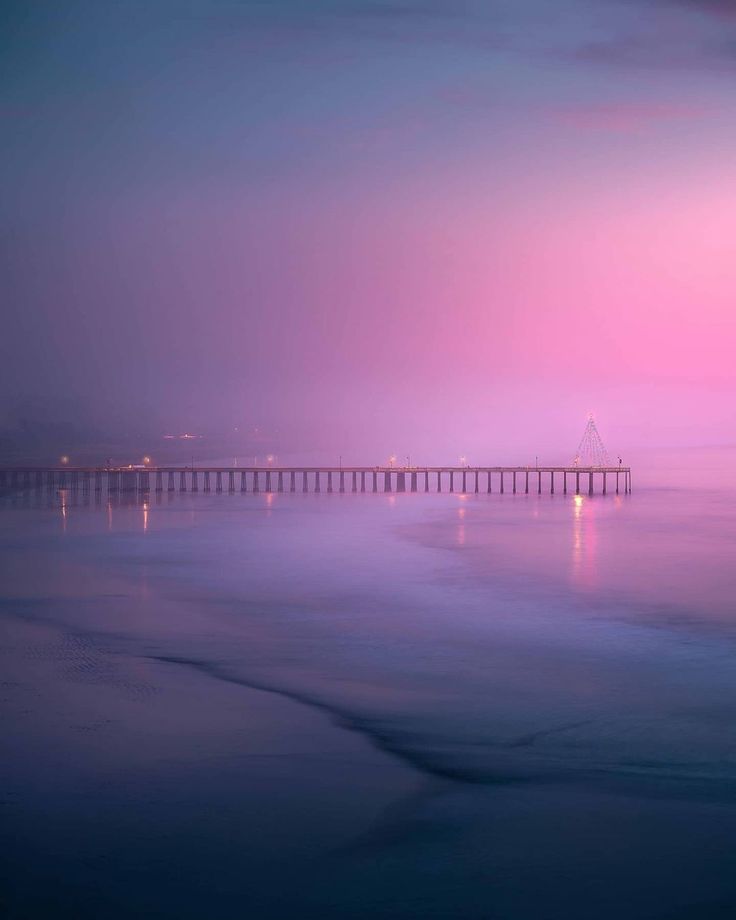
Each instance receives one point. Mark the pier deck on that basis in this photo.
(463, 479)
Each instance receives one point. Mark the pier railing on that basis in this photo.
(254, 479)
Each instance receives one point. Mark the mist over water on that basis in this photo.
(511, 674)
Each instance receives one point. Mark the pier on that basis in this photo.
(254, 479)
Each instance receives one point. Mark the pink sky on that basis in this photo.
(371, 239)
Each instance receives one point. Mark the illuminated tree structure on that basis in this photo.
(591, 450)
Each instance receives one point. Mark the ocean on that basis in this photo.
(357, 705)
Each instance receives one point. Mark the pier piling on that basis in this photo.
(140, 480)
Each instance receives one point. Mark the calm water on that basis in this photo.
(372, 706)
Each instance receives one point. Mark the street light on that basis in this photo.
(463, 461)
(146, 460)
(64, 459)
(391, 460)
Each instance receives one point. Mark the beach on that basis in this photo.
(369, 706)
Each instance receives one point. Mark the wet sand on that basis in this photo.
(135, 787)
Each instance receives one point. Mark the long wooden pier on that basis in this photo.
(463, 479)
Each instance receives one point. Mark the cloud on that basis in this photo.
(400, 15)
(624, 117)
(639, 52)
(659, 50)
(723, 9)
(688, 35)
(464, 23)
(399, 10)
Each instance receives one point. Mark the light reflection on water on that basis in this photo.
(461, 527)
(63, 504)
(584, 543)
